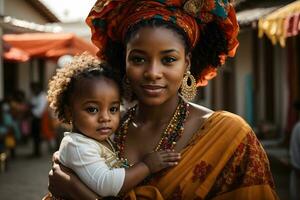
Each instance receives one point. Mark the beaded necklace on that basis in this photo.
(169, 137)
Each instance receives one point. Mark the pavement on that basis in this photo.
(25, 178)
(280, 166)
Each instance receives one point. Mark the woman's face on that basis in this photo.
(155, 64)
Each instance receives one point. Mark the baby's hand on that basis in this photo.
(159, 160)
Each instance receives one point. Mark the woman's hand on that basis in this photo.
(159, 160)
(64, 183)
(60, 178)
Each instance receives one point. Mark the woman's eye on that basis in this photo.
(168, 60)
(114, 109)
(137, 59)
(92, 110)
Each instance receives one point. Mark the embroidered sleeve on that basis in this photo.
(248, 166)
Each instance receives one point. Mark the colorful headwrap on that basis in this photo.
(110, 19)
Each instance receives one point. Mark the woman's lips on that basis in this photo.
(153, 90)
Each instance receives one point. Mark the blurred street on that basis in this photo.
(26, 178)
(280, 169)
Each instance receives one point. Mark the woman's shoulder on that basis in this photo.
(231, 117)
(205, 113)
(199, 112)
(223, 117)
(297, 126)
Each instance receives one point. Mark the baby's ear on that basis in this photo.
(68, 113)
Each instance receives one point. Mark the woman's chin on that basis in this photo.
(155, 101)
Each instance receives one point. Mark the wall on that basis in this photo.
(243, 62)
(22, 10)
(50, 68)
(1, 49)
(81, 29)
(24, 77)
(281, 88)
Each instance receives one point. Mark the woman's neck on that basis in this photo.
(157, 113)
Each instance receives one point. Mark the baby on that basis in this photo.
(87, 95)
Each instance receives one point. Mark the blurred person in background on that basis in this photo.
(20, 109)
(38, 105)
(49, 125)
(3, 133)
(3, 129)
(8, 130)
(295, 158)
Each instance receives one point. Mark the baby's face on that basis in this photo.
(95, 108)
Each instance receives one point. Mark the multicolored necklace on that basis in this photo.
(169, 137)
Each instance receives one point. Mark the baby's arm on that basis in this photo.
(85, 160)
(152, 163)
(83, 156)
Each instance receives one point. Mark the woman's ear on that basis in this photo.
(188, 58)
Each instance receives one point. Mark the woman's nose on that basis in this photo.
(153, 71)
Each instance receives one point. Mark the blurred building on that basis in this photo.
(262, 81)
(78, 27)
(33, 39)
(22, 17)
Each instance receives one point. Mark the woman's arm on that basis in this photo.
(134, 175)
(64, 183)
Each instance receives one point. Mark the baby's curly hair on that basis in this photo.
(61, 86)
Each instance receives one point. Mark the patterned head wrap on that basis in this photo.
(111, 19)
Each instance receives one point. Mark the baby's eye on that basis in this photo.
(168, 60)
(114, 109)
(92, 110)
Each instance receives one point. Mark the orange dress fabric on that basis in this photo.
(224, 160)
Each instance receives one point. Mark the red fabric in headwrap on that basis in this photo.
(154, 9)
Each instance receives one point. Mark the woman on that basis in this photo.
(164, 44)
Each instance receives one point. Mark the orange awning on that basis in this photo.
(16, 55)
(44, 45)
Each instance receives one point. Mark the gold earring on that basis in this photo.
(188, 86)
(127, 91)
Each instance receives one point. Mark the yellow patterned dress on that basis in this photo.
(224, 160)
